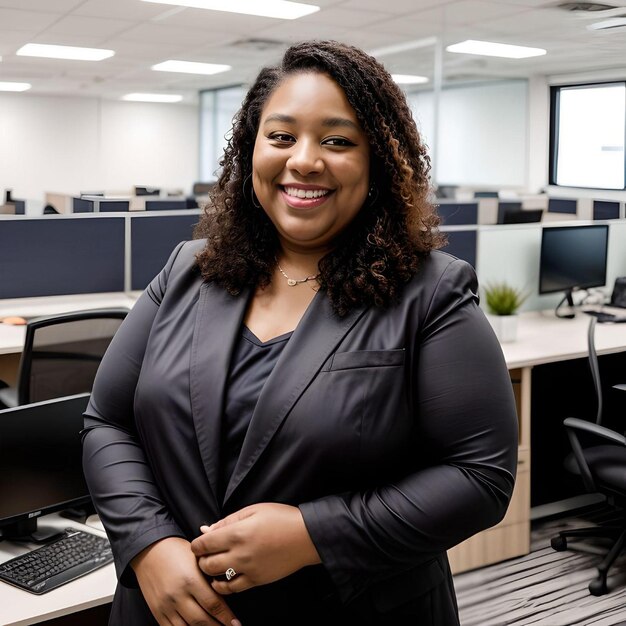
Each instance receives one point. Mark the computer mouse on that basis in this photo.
(14, 320)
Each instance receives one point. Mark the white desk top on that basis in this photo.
(544, 338)
(12, 337)
(20, 608)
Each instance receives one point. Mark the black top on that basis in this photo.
(252, 362)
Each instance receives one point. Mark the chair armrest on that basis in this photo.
(595, 429)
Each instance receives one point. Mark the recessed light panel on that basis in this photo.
(64, 52)
(190, 67)
(409, 79)
(491, 49)
(4, 86)
(281, 9)
(151, 97)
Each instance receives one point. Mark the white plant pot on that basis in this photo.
(505, 327)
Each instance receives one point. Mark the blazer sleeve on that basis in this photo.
(120, 480)
(465, 417)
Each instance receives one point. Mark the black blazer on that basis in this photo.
(393, 430)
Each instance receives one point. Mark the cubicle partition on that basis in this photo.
(55, 255)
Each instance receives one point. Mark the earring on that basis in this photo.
(252, 196)
(372, 196)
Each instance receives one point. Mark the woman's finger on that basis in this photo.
(236, 585)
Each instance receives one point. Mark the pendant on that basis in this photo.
(291, 282)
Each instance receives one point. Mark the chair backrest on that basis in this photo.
(62, 353)
(593, 365)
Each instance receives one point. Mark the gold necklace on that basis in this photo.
(292, 282)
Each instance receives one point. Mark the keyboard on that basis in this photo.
(41, 570)
(605, 316)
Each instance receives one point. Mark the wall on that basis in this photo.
(50, 143)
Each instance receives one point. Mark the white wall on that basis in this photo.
(67, 145)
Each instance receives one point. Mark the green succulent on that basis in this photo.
(502, 299)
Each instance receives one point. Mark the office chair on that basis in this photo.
(602, 468)
(61, 355)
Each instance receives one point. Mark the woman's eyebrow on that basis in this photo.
(331, 122)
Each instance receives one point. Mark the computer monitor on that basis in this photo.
(522, 216)
(40, 464)
(605, 210)
(82, 205)
(572, 257)
(147, 191)
(506, 207)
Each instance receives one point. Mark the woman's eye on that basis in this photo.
(282, 138)
(338, 141)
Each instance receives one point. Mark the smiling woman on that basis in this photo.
(307, 407)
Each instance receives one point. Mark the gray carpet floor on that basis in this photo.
(545, 587)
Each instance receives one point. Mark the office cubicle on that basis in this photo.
(87, 253)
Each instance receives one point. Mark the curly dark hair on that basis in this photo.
(381, 248)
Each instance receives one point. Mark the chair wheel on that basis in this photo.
(558, 543)
(598, 587)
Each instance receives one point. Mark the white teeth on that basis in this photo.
(309, 193)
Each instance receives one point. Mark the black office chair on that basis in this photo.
(61, 355)
(602, 467)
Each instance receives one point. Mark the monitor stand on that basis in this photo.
(570, 302)
(27, 531)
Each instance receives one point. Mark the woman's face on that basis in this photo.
(310, 166)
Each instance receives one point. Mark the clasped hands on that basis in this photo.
(262, 543)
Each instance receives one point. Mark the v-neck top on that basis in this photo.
(252, 362)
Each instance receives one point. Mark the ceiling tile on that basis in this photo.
(96, 27)
(49, 6)
(26, 20)
(121, 9)
(393, 6)
(170, 35)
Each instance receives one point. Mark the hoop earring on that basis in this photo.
(372, 196)
(251, 196)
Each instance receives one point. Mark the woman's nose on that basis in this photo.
(306, 158)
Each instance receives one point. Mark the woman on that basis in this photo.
(311, 384)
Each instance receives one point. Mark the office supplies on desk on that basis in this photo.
(74, 554)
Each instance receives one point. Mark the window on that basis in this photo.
(217, 109)
(587, 135)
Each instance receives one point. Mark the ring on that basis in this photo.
(230, 573)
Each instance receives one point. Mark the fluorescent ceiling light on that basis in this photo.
(151, 97)
(615, 22)
(64, 52)
(281, 9)
(190, 67)
(14, 86)
(490, 49)
(409, 79)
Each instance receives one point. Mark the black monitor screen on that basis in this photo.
(165, 205)
(573, 257)
(523, 216)
(61, 255)
(152, 240)
(507, 207)
(562, 205)
(80, 205)
(40, 461)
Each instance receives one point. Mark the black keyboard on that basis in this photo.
(75, 554)
(604, 317)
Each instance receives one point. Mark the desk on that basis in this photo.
(20, 608)
(12, 337)
(542, 338)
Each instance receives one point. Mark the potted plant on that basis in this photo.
(503, 302)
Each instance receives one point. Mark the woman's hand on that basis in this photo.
(261, 543)
(175, 589)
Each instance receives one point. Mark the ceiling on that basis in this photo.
(143, 34)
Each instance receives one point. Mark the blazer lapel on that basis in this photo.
(218, 321)
(316, 337)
